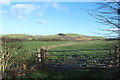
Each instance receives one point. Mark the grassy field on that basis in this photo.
(68, 45)
(30, 56)
(31, 46)
(39, 44)
(88, 45)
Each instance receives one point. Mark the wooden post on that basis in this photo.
(111, 58)
(38, 55)
(116, 72)
(41, 58)
(117, 52)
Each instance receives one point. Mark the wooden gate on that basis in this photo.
(86, 59)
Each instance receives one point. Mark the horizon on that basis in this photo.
(49, 18)
(49, 35)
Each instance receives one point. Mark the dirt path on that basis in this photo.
(67, 44)
(50, 47)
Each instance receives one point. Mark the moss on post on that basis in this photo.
(41, 58)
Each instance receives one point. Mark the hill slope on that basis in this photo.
(68, 37)
(16, 35)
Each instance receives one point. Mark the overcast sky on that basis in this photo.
(48, 18)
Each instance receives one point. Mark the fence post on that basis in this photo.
(41, 58)
(117, 52)
(117, 62)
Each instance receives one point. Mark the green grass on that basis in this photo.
(30, 47)
(67, 74)
(16, 35)
(34, 44)
(98, 44)
(80, 44)
(29, 50)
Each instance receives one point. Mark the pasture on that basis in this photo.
(27, 56)
(78, 44)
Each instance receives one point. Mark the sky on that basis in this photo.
(48, 18)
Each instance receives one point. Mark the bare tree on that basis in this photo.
(108, 13)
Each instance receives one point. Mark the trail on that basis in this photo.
(67, 44)
(50, 47)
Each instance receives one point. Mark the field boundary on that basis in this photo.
(110, 61)
(62, 63)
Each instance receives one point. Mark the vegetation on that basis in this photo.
(16, 35)
(67, 74)
(59, 37)
(25, 60)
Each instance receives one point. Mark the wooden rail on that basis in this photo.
(45, 62)
(117, 52)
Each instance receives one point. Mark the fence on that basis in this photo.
(86, 59)
(117, 55)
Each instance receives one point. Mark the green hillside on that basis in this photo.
(74, 35)
(70, 36)
(16, 35)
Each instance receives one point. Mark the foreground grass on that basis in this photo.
(64, 75)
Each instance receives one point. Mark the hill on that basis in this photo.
(57, 37)
(16, 35)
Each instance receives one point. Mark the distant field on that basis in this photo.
(31, 46)
(98, 44)
(34, 44)
(77, 44)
